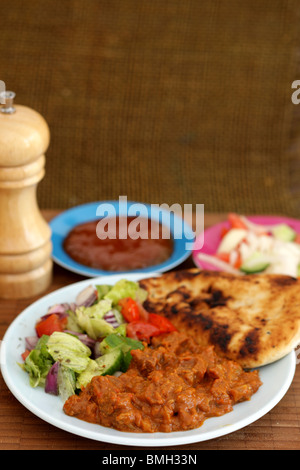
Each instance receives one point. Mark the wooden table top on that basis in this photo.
(21, 430)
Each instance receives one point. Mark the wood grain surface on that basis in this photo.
(21, 430)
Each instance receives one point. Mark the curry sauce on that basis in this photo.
(171, 385)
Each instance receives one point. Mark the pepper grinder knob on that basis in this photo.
(8, 97)
(25, 237)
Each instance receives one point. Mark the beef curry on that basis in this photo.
(171, 385)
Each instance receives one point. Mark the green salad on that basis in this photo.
(90, 337)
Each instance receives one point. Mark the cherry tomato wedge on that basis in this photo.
(143, 312)
(238, 262)
(163, 324)
(49, 325)
(235, 221)
(223, 256)
(141, 331)
(129, 309)
(224, 231)
(25, 354)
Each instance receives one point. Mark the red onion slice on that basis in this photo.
(87, 297)
(111, 319)
(31, 342)
(59, 314)
(58, 308)
(84, 338)
(51, 385)
(226, 267)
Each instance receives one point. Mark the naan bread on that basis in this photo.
(253, 319)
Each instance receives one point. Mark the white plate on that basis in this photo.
(276, 379)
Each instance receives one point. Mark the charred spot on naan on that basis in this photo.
(220, 334)
(216, 299)
(251, 344)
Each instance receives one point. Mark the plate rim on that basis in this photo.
(71, 265)
(108, 435)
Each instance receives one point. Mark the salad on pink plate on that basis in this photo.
(248, 245)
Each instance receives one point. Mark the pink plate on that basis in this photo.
(212, 236)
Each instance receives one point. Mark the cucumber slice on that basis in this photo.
(255, 264)
(284, 233)
(111, 342)
(104, 365)
(110, 362)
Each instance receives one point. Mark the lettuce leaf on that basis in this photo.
(69, 351)
(38, 363)
(91, 320)
(125, 288)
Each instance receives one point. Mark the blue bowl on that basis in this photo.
(181, 232)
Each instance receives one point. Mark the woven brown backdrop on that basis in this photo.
(169, 101)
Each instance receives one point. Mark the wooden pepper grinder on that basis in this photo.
(25, 237)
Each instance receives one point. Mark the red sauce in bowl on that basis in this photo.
(118, 251)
